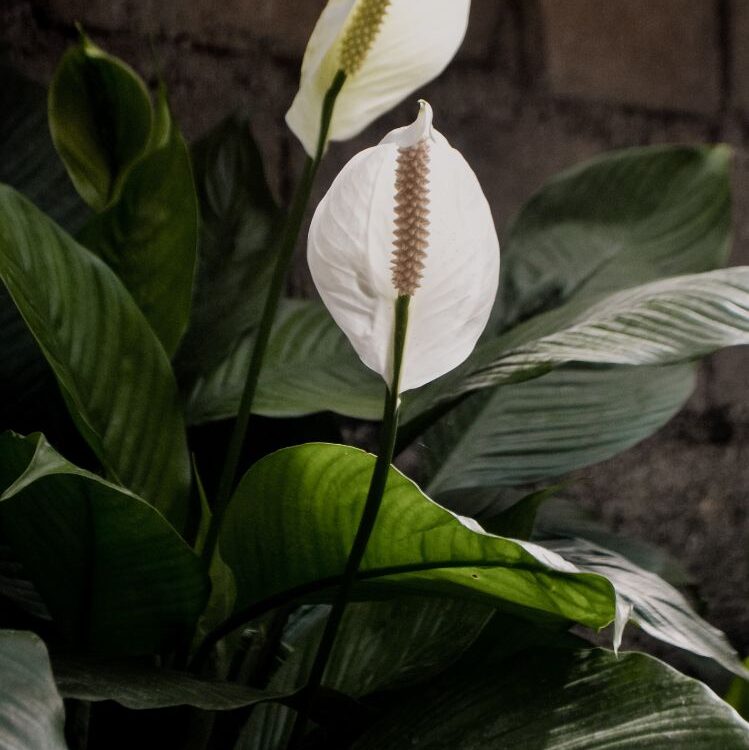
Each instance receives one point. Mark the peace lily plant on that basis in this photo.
(254, 581)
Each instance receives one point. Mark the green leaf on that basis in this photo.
(292, 520)
(32, 716)
(665, 322)
(113, 372)
(28, 160)
(149, 236)
(379, 646)
(738, 694)
(239, 223)
(561, 700)
(139, 687)
(517, 520)
(100, 117)
(309, 366)
(544, 428)
(656, 606)
(114, 574)
(622, 219)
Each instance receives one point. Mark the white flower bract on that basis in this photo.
(352, 246)
(401, 45)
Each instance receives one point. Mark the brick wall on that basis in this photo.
(539, 85)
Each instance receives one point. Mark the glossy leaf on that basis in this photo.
(149, 236)
(113, 372)
(238, 227)
(32, 716)
(380, 646)
(309, 367)
(114, 574)
(562, 700)
(100, 117)
(665, 322)
(293, 518)
(139, 687)
(544, 428)
(657, 607)
(624, 218)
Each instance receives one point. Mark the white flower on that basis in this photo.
(407, 217)
(387, 48)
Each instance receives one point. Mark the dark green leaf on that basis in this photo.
(562, 700)
(32, 716)
(236, 246)
(517, 521)
(293, 518)
(114, 574)
(112, 370)
(622, 219)
(738, 694)
(149, 237)
(656, 606)
(100, 117)
(544, 428)
(309, 367)
(138, 687)
(380, 645)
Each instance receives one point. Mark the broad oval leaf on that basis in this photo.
(622, 219)
(309, 366)
(149, 236)
(292, 520)
(114, 574)
(139, 687)
(543, 428)
(100, 117)
(239, 221)
(561, 700)
(656, 606)
(112, 370)
(32, 716)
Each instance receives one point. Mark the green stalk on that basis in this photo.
(388, 433)
(286, 246)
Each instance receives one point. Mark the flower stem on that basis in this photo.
(388, 433)
(285, 252)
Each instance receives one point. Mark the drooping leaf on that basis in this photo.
(292, 520)
(100, 117)
(543, 428)
(656, 606)
(738, 694)
(140, 687)
(113, 372)
(550, 699)
(32, 716)
(380, 646)
(149, 236)
(113, 573)
(309, 366)
(625, 218)
(665, 322)
(239, 223)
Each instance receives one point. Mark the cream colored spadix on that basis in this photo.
(387, 48)
(407, 217)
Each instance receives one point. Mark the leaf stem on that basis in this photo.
(372, 505)
(286, 246)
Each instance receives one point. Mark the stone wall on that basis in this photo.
(538, 86)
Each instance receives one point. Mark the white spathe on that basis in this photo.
(350, 249)
(415, 43)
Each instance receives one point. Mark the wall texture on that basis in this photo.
(538, 86)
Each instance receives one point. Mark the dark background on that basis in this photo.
(539, 85)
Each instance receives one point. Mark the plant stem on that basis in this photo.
(377, 484)
(285, 252)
